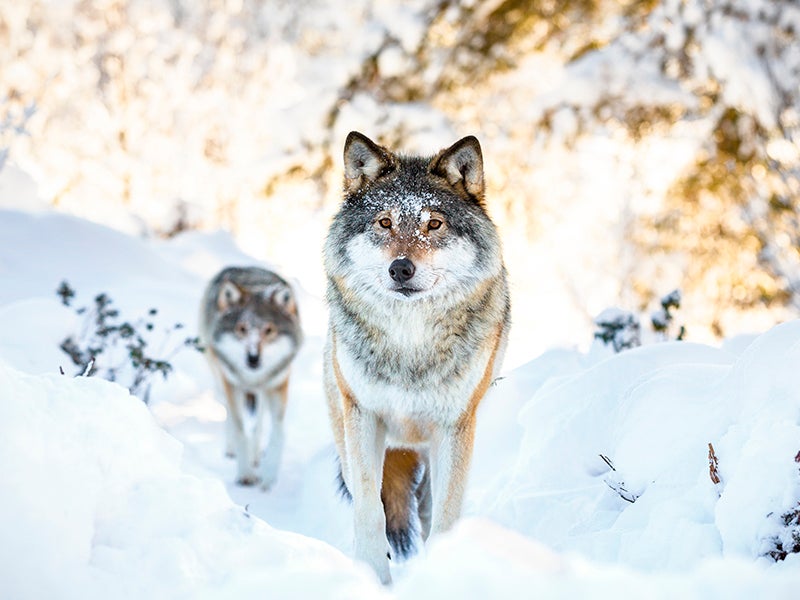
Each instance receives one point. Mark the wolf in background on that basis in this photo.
(419, 318)
(250, 327)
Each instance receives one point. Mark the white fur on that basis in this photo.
(441, 405)
(244, 429)
(235, 351)
(445, 278)
(365, 438)
(245, 432)
(446, 268)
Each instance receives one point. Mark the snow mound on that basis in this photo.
(613, 460)
(590, 472)
(502, 564)
(94, 504)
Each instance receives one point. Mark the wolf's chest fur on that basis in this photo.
(414, 361)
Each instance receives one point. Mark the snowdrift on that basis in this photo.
(95, 505)
(614, 459)
(590, 475)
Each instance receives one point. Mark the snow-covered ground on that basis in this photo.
(103, 496)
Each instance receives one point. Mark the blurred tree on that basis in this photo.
(734, 213)
(623, 138)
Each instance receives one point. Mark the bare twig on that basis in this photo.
(607, 461)
(616, 484)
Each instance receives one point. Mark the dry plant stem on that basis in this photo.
(713, 464)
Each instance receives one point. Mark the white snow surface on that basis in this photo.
(103, 496)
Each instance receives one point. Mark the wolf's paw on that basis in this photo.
(267, 483)
(247, 480)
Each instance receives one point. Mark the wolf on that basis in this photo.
(250, 328)
(419, 315)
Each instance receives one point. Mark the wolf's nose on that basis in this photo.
(401, 270)
(253, 360)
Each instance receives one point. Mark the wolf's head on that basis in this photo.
(255, 332)
(412, 227)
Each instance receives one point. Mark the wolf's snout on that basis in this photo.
(401, 270)
(253, 360)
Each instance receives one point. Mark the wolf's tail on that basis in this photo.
(405, 478)
(406, 497)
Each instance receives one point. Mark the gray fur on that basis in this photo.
(254, 281)
(466, 322)
(407, 361)
(249, 314)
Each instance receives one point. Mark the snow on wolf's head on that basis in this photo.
(412, 227)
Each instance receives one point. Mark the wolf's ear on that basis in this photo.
(229, 295)
(284, 298)
(462, 166)
(364, 161)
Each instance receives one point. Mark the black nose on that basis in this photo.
(253, 360)
(401, 270)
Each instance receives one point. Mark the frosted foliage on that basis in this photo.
(618, 328)
(597, 121)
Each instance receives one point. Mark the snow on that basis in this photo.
(96, 504)
(104, 496)
(591, 472)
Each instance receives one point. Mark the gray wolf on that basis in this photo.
(419, 318)
(250, 327)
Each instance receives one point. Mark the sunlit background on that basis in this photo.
(631, 148)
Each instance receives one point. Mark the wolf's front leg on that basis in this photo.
(451, 453)
(271, 461)
(365, 440)
(243, 435)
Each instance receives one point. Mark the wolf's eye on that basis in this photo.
(267, 331)
(385, 222)
(434, 224)
(241, 329)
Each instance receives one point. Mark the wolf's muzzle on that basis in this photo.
(401, 270)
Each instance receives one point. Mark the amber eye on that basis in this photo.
(434, 224)
(267, 331)
(241, 329)
(385, 222)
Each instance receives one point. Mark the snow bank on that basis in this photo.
(98, 499)
(482, 560)
(613, 460)
(94, 504)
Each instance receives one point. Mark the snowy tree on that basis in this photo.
(640, 144)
